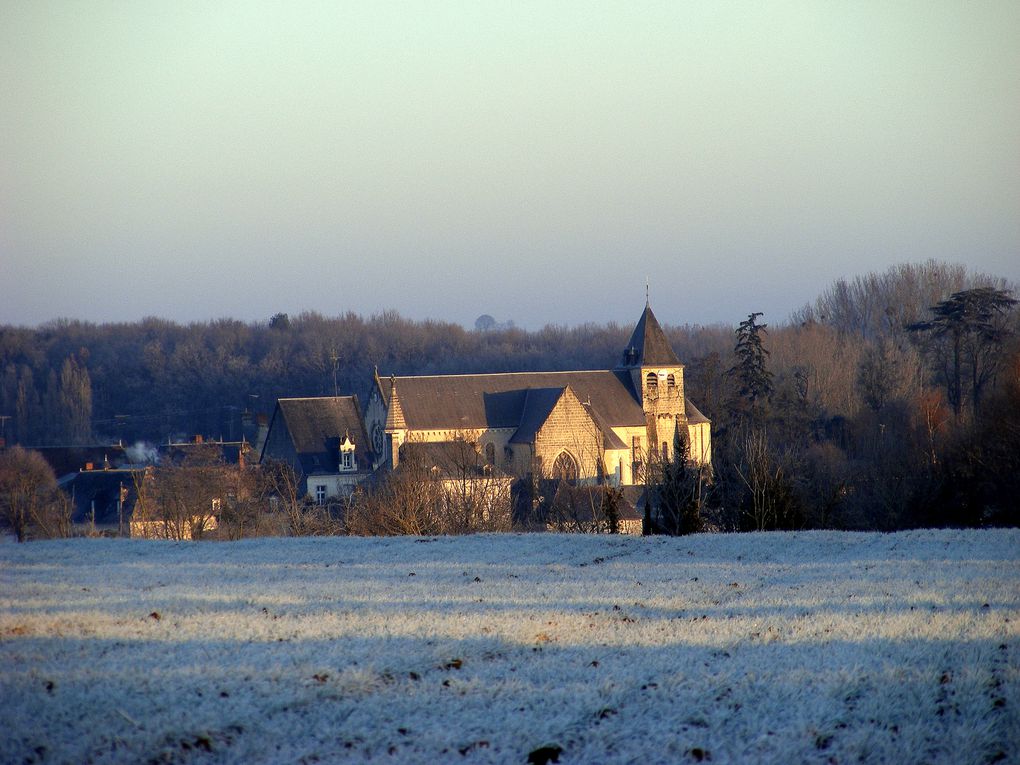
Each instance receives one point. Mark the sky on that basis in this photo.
(535, 161)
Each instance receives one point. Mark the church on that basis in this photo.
(587, 427)
(582, 426)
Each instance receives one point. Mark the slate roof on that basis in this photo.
(101, 489)
(611, 440)
(449, 402)
(70, 459)
(538, 404)
(230, 452)
(694, 415)
(318, 425)
(648, 345)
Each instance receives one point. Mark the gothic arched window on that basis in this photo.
(671, 385)
(565, 467)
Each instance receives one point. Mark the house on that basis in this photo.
(324, 440)
(103, 499)
(585, 426)
(238, 453)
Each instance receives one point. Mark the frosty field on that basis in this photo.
(816, 647)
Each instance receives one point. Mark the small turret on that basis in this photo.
(395, 426)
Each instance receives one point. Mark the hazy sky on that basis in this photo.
(529, 160)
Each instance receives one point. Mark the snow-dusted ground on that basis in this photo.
(809, 647)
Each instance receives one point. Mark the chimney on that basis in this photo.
(198, 439)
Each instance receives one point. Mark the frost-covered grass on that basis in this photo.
(809, 647)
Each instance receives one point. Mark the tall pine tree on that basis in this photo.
(754, 379)
(680, 490)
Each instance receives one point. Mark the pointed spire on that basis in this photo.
(648, 345)
(395, 412)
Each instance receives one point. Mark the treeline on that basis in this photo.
(872, 409)
(71, 382)
(891, 402)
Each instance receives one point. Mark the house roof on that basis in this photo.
(611, 440)
(70, 459)
(648, 345)
(229, 452)
(318, 425)
(694, 415)
(478, 401)
(101, 490)
(538, 405)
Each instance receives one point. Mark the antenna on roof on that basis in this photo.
(335, 358)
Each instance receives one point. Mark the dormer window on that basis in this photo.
(347, 454)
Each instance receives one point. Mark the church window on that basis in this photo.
(490, 453)
(670, 385)
(565, 467)
(652, 384)
(665, 452)
(635, 447)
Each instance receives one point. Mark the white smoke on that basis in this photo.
(142, 453)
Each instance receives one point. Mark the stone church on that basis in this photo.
(583, 426)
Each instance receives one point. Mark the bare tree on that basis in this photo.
(477, 495)
(407, 501)
(769, 501)
(29, 498)
(182, 500)
(278, 493)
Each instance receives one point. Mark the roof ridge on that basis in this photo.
(315, 398)
(503, 374)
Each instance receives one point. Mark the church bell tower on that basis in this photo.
(658, 379)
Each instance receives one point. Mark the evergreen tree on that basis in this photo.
(680, 490)
(754, 379)
(964, 338)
